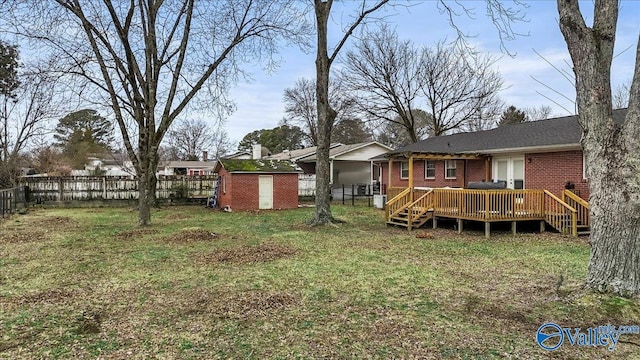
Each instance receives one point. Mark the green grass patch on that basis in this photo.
(205, 284)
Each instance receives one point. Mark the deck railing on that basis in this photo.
(560, 215)
(489, 206)
(397, 203)
(422, 204)
(581, 206)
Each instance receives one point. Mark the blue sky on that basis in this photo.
(259, 103)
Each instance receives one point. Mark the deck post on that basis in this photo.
(542, 226)
(513, 227)
(435, 222)
(487, 229)
(459, 226)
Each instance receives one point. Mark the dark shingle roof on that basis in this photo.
(253, 166)
(560, 131)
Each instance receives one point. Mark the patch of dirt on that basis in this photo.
(240, 305)
(192, 235)
(177, 216)
(425, 235)
(16, 237)
(250, 254)
(51, 296)
(135, 233)
(89, 322)
(57, 222)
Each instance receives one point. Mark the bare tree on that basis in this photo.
(150, 60)
(384, 73)
(621, 95)
(24, 117)
(455, 84)
(535, 113)
(611, 150)
(326, 114)
(190, 137)
(301, 109)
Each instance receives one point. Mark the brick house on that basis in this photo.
(544, 154)
(247, 184)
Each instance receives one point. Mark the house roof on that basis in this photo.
(256, 166)
(189, 164)
(298, 153)
(562, 132)
(344, 149)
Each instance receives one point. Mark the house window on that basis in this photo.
(450, 169)
(429, 169)
(404, 170)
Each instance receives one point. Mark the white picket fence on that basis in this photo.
(72, 188)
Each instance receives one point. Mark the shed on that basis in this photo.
(246, 184)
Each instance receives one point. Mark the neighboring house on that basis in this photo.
(109, 166)
(245, 184)
(192, 168)
(350, 164)
(544, 154)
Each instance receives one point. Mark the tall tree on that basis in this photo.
(384, 72)
(456, 84)
(83, 133)
(611, 150)
(512, 115)
(278, 139)
(150, 59)
(301, 109)
(351, 131)
(326, 114)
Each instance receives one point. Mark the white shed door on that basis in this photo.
(265, 190)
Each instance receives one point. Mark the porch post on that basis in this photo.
(464, 174)
(331, 172)
(411, 178)
(389, 175)
(487, 170)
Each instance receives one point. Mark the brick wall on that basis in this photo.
(475, 172)
(242, 191)
(225, 188)
(551, 171)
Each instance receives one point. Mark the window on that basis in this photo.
(404, 170)
(450, 169)
(429, 169)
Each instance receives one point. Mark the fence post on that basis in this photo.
(369, 195)
(60, 188)
(353, 195)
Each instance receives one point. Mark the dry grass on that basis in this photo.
(202, 284)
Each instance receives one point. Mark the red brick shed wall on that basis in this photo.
(551, 171)
(242, 190)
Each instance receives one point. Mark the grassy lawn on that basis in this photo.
(203, 284)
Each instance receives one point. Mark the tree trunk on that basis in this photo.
(612, 151)
(326, 117)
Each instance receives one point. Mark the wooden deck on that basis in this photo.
(413, 207)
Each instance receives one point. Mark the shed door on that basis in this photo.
(265, 190)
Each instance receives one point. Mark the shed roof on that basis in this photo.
(255, 166)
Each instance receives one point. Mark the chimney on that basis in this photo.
(205, 155)
(257, 151)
